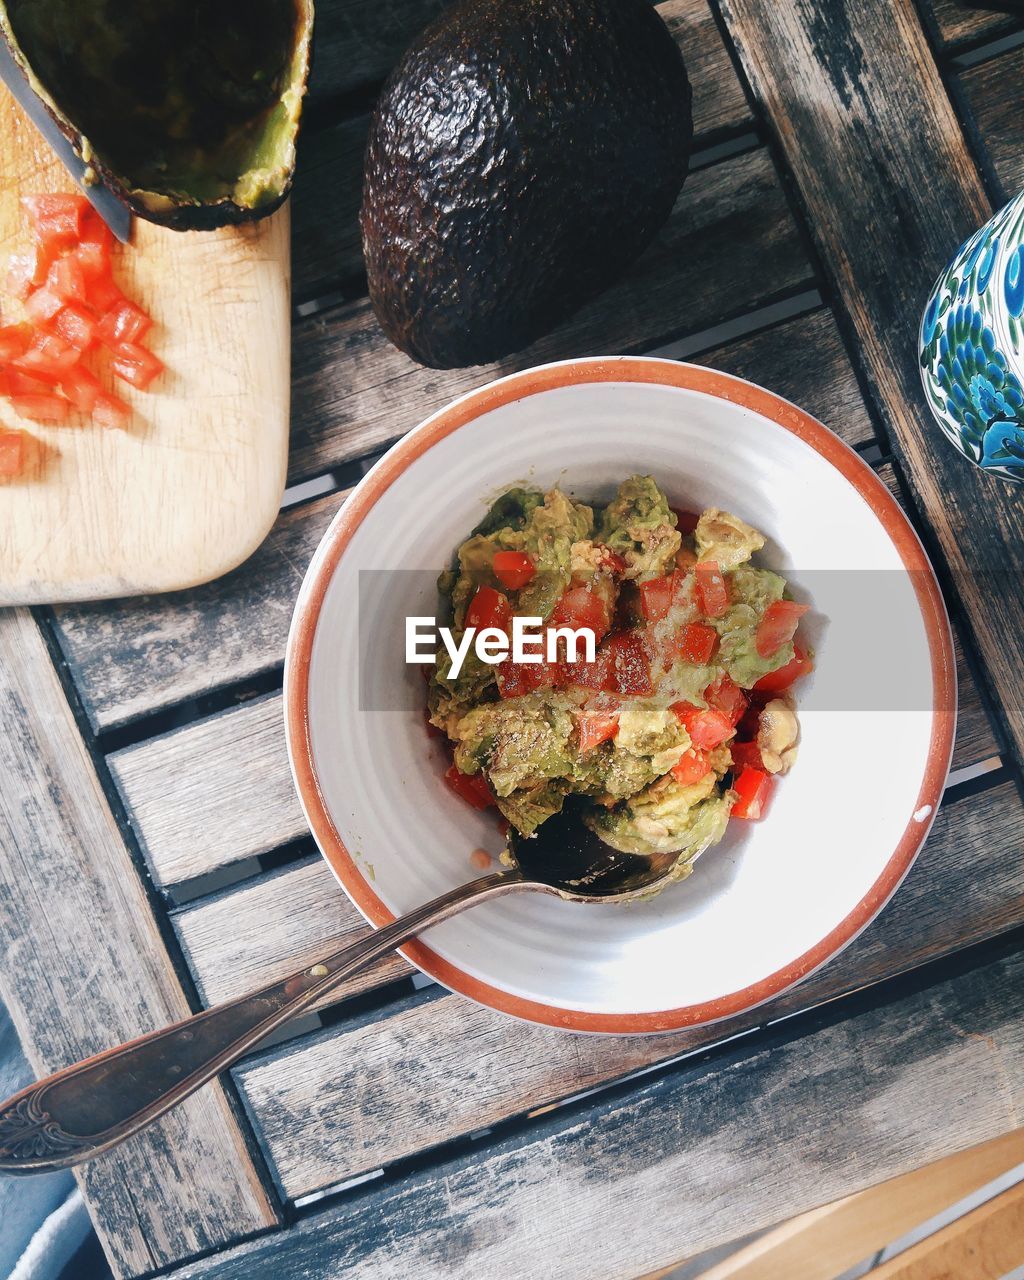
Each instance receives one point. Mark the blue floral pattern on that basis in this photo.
(971, 342)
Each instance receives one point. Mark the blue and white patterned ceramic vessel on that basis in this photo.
(972, 346)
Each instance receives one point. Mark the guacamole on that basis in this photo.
(680, 717)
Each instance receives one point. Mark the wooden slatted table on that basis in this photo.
(153, 858)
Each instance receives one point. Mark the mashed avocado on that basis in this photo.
(646, 731)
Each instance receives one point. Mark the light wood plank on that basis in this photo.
(995, 93)
(729, 246)
(984, 1245)
(327, 247)
(828, 1241)
(447, 1067)
(83, 967)
(213, 793)
(132, 657)
(625, 1184)
(272, 926)
(886, 219)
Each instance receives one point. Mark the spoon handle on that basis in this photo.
(92, 1106)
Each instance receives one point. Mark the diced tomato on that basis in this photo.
(712, 593)
(488, 608)
(753, 788)
(56, 218)
(630, 671)
(27, 271)
(94, 231)
(41, 407)
(589, 675)
(707, 727)
(94, 261)
(78, 328)
(42, 306)
(513, 569)
(579, 607)
(123, 322)
(698, 642)
(81, 387)
(12, 453)
(746, 755)
(24, 384)
(136, 364)
(691, 767)
(656, 596)
(725, 695)
(596, 727)
(105, 296)
(611, 561)
(471, 787)
(46, 359)
(66, 279)
(516, 679)
(778, 626)
(110, 411)
(686, 521)
(14, 338)
(779, 681)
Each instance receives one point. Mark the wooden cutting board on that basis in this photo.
(194, 483)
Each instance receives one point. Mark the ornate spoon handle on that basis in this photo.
(92, 1106)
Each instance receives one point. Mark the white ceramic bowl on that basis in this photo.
(776, 899)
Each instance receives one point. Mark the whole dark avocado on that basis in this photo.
(521, 155)
(188, 111)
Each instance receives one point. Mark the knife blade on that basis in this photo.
(106, 204)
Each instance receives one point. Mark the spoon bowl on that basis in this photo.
(565, 855)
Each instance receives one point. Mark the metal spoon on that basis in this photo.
(86, 1109)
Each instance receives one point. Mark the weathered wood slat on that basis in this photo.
(326, 245)
(292, 915)
(83, 966)
(886, 218)
(803, 360)
(232, 797)
(730, 246)
(357, 42)
(958, 24)
(291, 918)
(995, 93)
(629, 1183)
(447, 1067)
(132, 657)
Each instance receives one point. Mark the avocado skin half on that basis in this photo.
(189, 114)
(521, 155)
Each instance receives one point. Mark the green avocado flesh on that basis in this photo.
(189, 111)
(528, 743)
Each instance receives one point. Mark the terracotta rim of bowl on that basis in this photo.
(672, 374)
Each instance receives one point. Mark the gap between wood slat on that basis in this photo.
(298, 914)
(937, 1054)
